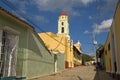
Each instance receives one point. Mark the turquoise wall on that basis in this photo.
(60, 61)
(21, 51)
(39, 60)
(33, 58)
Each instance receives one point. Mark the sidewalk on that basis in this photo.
(78, 73)
(102, 75)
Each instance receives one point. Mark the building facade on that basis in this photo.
(107, 54)
(77, 50)
(22, 52)
(115, 41)
(101, 57)
(63, 25)
(114, 45)
(61, 41)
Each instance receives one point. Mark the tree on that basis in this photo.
(86, 58)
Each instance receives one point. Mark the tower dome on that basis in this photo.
(63, 13)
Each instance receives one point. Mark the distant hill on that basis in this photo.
(86, 57)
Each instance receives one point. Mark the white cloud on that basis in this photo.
(60, 4)
(65, 5)
(111, 3)
(50, 5)
(86, 1)
(41, 19)
(86, 32)
(103, 27)
(108, 7)
(21, 5)
(53, 5)
(82, 2)
(90, 17)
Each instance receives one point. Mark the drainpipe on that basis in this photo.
(0, 42)
(55, 62)
(0, 47)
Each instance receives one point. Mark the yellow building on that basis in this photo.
(78, 46)
(113, 42)
(77, 54)
(60, 42)
(116, 40)
(53, 42)
(107, 55)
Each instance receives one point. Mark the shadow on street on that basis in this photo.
(102, 75)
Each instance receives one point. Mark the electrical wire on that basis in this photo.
(57, 45)
(9, 4)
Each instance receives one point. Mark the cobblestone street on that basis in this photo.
(78, 73)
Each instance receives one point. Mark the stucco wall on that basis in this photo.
(107, 55)
(60, 61)
(39, 60)
(33, 59)
(117, 32)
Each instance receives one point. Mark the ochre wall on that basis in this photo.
(107, 55)
(117, 31)
(59, 44)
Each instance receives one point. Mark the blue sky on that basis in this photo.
(85, 17)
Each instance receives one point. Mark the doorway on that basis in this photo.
(8, 54)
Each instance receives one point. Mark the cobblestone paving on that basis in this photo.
(77, 73)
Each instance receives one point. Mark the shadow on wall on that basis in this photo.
(34, 59)
(39, 59)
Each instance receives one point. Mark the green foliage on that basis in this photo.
(86, 57)
(100, 45)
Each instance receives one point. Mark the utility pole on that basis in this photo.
(94, 44)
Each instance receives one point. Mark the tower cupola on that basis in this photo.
(63, 25)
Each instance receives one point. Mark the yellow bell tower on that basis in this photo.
(63, 25)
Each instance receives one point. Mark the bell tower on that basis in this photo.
(63, 25)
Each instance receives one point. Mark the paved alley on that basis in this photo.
(78, 73)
